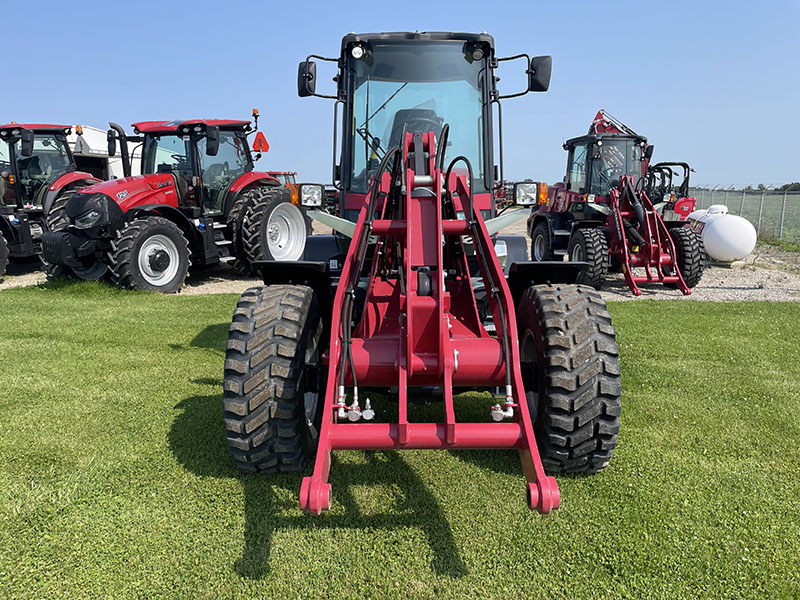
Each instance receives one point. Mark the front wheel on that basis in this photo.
(273, 409)
(590, 246)
(3, 255)
(541, 246)
(570, 367)
(57, 218)
(150, 253)
(689, 252)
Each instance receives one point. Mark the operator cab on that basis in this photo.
(32, 157)
(597, 161)
(204, 157)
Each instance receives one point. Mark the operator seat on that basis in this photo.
(418, 120)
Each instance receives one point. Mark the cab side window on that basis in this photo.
(576, 178)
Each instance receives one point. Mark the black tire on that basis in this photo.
(56, 218)
(255, 226)
(235, 219)
(591, 246)
(271, 371)
(570, 366)
(689, 251)
(541, 236)
(140, 235)
(3, 255)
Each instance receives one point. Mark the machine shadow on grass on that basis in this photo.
(197, 440)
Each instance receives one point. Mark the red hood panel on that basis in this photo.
(158, 188)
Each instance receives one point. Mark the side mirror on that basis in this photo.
(212, 140)
(112, 142)
(539, 73)
(648, 152)
(26, 135)
(306, 78)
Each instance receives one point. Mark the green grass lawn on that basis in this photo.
(115, 480)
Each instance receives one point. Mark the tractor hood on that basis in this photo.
(156, 188)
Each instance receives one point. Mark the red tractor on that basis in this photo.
(198, 200)
(37, 176)
(409, 301)
(602, 213)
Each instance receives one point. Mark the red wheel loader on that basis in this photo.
(410, 300)
(603, 213)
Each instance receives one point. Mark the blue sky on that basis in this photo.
(716, 84)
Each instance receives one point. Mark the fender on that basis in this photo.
(554, 221)
(251, 179)
(66, 180)
(168, 212)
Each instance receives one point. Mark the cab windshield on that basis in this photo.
(50, 160)
(167, 154)
(422, 86)
(220, 171)
(617, 158)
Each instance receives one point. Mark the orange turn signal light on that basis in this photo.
(295, 194)
(542, 192)
(79, 129)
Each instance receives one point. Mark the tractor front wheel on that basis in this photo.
(273, 408)
(56, 218)
(591, 246)
(541, 246)
(150, 253)
(273, 228)
(688, 255)
(570, 367)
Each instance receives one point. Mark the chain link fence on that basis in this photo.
(774, 214)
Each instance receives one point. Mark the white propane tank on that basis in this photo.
(725, 237)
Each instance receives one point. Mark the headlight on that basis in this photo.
(87, 220)
(307, 194)
(526, 194)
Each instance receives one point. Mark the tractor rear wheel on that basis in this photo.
(541, 246)
(591, 246)
(3, 255)
(235, 221)
(150, 253)
(273, 410)
(571, 371)
(689, 252)
(56, 218)
(273, 228)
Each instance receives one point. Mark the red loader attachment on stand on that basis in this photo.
(639, 237)
(420, 328)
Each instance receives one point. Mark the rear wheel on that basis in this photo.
(235, 220)
(689, 252)
(591, 246)
(273, 228)
(3, 255)
(150, 253)
(272, 379)
(541, 248)
(570, 366)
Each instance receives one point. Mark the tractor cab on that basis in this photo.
(204, 158)
(32, 158)
(610, 150)
(285, 178)
(391, 83)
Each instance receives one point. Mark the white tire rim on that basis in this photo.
(538, 248)
(577, 253)
(150, 248)
(286, 232)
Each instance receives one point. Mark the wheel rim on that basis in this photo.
(286, 232)
(158, 260)
(577, 253)
(538, 248)
(91, 272)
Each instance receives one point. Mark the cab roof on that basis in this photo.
(172, 126)
(36, 126)
(424, 36)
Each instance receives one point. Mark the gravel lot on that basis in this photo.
(768, 274)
